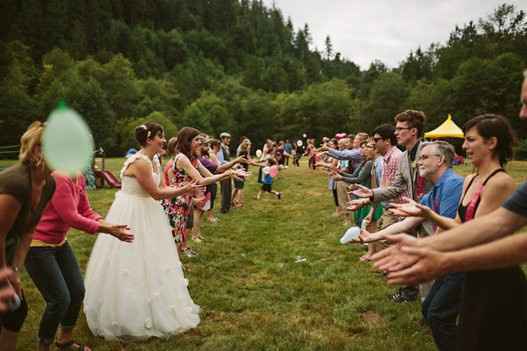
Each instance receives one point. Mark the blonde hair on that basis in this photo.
(31, 138)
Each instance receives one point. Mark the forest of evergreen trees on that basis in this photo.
(236, 65)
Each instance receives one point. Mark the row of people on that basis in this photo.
(494, 312)
(420, 184)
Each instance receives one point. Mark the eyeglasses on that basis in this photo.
(426, 157)
(377, 139)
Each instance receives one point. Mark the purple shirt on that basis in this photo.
(209, 164)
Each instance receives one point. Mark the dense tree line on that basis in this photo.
(235, 65)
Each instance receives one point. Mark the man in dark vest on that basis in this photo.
(226, 184)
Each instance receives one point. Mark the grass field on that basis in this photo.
(253, 294)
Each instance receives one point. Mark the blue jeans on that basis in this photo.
(56, 273)
(441, 309)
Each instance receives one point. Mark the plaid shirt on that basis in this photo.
(390, 165)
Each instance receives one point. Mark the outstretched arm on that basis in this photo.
(225, 166)
(399, 227)
(142, 171)
(184, 163)
(409, 262)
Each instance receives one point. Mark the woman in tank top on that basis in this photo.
(493, 313)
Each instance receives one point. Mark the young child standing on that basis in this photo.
(270, 170)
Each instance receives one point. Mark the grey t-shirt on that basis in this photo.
(517, 202)
(16, 181)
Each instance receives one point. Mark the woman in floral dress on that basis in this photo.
(185, 168)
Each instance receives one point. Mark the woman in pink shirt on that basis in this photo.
(51, 262)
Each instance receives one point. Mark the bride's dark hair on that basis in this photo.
(147, 131)
(184, 140)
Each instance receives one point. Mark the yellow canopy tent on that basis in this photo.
(448, 129)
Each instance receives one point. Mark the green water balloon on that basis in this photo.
(67, 143)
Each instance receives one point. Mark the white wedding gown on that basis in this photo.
(137, 290)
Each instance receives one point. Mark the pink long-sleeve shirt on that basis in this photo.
(69, 207)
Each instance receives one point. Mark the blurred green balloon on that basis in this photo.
(67, 143)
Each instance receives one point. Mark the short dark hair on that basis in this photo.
(184, 140)
(147, 131)
(387, 132)
(415, 119)
(491, 125)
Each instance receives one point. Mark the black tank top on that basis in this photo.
(467, 212)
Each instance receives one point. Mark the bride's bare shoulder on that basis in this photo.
(137, 166)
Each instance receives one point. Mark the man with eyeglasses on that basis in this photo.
(441, 305)
(409, 127)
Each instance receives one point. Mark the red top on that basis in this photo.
(167, 172)
(69, 207)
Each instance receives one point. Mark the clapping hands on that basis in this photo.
(406, 262)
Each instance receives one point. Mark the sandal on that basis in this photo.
(72, 345)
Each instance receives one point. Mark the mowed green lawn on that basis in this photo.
(253, 293)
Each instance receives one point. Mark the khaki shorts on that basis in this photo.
(387, 219)
(342, 195)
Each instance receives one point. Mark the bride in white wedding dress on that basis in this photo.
(137, 290)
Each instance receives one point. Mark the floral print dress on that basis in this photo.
(179, 209)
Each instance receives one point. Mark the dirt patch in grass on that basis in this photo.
(373, 319)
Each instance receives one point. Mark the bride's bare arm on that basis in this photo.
(142, 171)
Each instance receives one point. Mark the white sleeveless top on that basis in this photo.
(130, 185)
